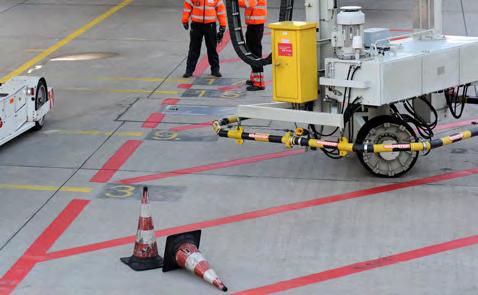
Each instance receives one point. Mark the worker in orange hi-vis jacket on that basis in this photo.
(256, 17)
(204, 15)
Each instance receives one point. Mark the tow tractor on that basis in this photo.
(24, 103)
(347, 89)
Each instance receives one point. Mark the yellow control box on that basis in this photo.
(294, 61)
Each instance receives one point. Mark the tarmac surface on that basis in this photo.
(273, 220)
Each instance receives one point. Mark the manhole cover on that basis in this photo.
(200, 110)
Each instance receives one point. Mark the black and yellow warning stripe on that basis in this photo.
(289, 140)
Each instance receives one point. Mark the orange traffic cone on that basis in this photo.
(181, 251)
(145, 253)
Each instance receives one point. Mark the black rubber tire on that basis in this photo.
(40, 100)
(375, 122)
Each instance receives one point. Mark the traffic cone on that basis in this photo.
(181, 251)
(145, 253)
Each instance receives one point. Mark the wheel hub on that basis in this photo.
(388, 139)
(389, 163)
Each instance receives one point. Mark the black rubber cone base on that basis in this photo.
(173, 243)
(140, 264)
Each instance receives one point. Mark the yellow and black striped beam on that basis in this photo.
(289, 140)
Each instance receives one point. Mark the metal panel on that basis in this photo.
(344, 83)
(402, 78)
(469, 63)
(441, 70)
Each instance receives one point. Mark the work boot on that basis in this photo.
(187, 75)
(255, 88)
(216, 74)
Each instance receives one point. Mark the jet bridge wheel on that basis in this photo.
(387, 130)
(41, 98)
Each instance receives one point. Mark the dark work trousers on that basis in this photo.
(198, 31)
(254, 36)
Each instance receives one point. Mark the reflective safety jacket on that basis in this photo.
(205, 12)
(256, 11)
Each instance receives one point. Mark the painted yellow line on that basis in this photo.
(42, 55)
(124, 90)
(26, 187)
(145, 79)
(95, 133)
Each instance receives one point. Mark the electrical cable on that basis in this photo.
(350, 123)
(454, 102)
(424, 128)
(345, 91)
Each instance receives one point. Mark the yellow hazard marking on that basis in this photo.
(42, 55)
(27, 187)
(125, 90)
(145, 79)
(96, 133)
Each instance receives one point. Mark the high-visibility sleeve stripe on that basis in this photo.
(256, 17)
(200, 18)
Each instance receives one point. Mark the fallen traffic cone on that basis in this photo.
(145, 253)
(181, 251)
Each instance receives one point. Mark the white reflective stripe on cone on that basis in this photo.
(145, 211)
(145, 236)
(193, 260)
(210, 276)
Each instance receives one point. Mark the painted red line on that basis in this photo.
(170, 101)
(191, 126)
(153, 120)
(456, 124)
(230, 60)
(266, 212)
(116, 161)
(203, 64)
(402, 30)
(185, 86)
(228, 88)
(399, 38)
(42, 244)
(156, 117)
(362, 266)
(235, 59)
(209, 167)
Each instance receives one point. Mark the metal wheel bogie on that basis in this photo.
(387, 130)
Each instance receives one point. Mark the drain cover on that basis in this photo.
(199, 110)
